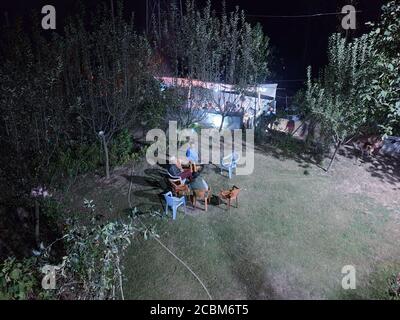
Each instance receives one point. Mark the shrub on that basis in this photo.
(91, 267)
(76, 160)
(19, 280)
(121, 148)
(394, 287)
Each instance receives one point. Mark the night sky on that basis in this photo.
(297, 42)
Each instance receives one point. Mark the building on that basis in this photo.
(240, 109)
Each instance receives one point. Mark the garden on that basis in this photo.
(85, 215)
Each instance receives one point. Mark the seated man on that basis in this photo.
(198, 183)
(199, 190)
(175, 169)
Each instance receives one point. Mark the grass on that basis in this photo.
(289, 238)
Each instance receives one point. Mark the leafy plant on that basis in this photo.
(91, 268)
(121, 148)
(334, 99)
(394, 287)
(18, 279)
(76, 160)
(382, 94)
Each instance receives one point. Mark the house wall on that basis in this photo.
(213, 120)
(391, 147)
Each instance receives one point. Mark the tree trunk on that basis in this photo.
(222, 123)
(106, 156)
(298, 128)
(334, 155)
(37, 223)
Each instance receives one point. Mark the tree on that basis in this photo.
(359, 89)
(199, 45)
(334, 99)
(186, 105)
(108, 76)
(31, 107)
(382, 94)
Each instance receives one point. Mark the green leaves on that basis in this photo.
(18, 279)
(201, 45)
(360, 86)
(15, 274)
(385, 88)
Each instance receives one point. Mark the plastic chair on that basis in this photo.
(229, 163)
(174, 203)
(178, 187)
(182, 181)
(229, 195)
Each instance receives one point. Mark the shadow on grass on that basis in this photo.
(149, 198)
(250, 275)
(385, 168)
(283, 147)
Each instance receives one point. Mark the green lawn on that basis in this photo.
(289, 238)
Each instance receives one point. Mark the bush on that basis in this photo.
(77, 160)
(394, 287)
(86, 158)
(19, 280)
(90, 267)
(121, 148)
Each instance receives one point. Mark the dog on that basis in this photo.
(369, 145)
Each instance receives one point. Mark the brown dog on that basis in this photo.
(368, 144)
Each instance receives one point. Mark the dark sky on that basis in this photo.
(298, 42)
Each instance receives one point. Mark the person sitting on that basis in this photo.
(199, 190)
(198, 183)
(176, 170)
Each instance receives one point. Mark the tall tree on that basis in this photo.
(382, 94)
(200, 45)
(108, 77)
(334, 99)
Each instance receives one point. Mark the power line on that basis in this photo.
(294, 80)
(302, 15)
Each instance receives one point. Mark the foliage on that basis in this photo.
(198, 44)
(121, 148)
(77, 159)
(84, 158)
(109, 83)
(91, 264)
(92, 268)
(359, 90)
(32, 120)
(18, 279)
(59, 91)
(394, 287)
(334, 99)
(382, 94)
